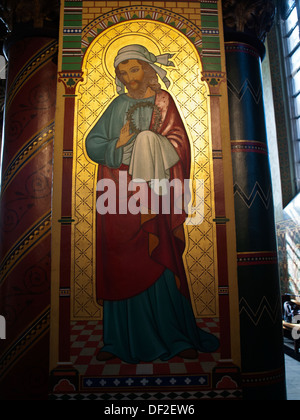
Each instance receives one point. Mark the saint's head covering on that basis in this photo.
(138, 52)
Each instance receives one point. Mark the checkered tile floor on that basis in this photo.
(86, 340)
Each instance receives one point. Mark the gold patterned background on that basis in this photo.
(94, 94)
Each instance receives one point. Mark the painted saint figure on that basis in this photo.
(141, 280)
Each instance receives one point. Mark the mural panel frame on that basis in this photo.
(202, 28)
(94, 94)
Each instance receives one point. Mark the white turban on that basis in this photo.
(138, 52)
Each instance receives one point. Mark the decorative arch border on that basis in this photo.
(98, 25)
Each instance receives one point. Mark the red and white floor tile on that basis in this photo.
(86, 340)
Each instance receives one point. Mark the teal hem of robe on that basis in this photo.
(157, 324)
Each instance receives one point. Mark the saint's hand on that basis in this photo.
(125, 135)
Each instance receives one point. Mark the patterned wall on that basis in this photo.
(93, 9)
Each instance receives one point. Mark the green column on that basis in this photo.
(263, 371)
(259, 292)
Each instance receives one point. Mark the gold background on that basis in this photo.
(94, 94)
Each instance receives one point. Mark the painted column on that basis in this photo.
(26, 192)
(62, 370)
(263, 372)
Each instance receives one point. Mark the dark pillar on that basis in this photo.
(263, 373)
(26, 192)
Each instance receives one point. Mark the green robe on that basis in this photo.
(102, 140)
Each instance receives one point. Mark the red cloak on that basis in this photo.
(134, 250)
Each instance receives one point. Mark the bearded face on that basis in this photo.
(137, 76)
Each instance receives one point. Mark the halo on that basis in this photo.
(113, 48)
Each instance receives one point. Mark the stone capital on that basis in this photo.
(36, 13)
(250, 17)
(20, 19)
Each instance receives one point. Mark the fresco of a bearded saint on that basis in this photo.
(140, 275)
